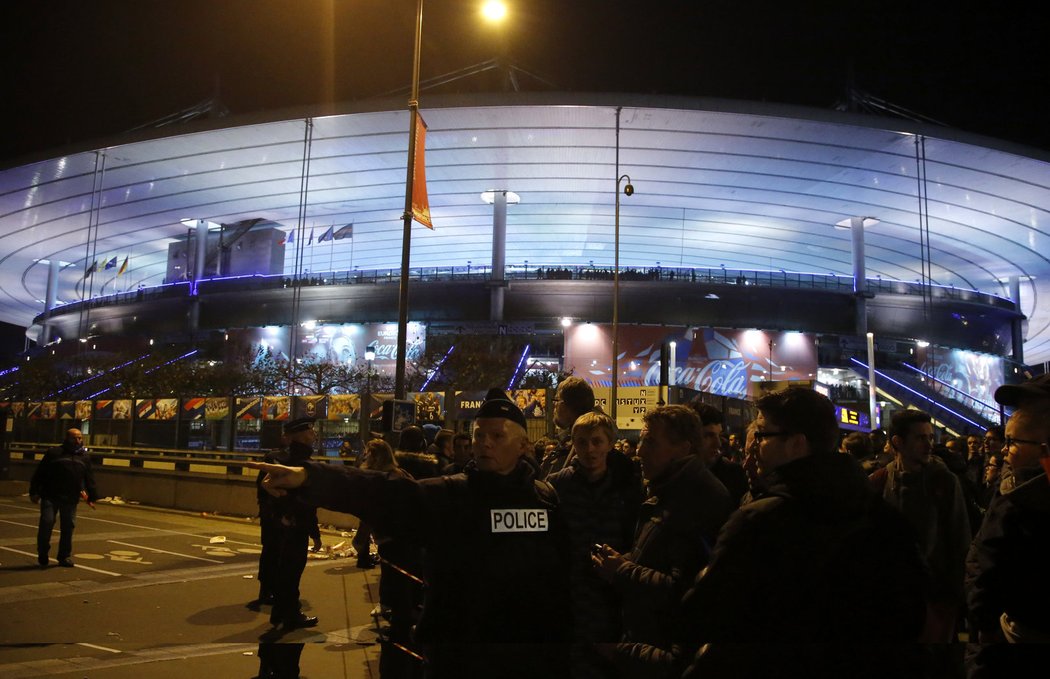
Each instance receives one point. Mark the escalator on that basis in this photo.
(912, 387)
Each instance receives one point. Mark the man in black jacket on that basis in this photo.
(496, 549)
(818, 577)
(287, 525)
(60, 481)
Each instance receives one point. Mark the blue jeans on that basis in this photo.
(67, 512)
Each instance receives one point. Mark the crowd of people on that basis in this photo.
(792, 550)
(798, 551)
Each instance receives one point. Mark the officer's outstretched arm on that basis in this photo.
(279, 479)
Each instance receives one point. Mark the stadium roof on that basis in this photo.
(747, 186)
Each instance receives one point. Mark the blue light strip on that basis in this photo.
(95, 377)
(923, 397)
(186, 355)
(438, 368)
(8, 371)
(521, 361)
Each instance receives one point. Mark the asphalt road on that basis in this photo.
(155, 594)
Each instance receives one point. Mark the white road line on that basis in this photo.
(100, 648)
(15, 523)
(164, 551)
(87, 568)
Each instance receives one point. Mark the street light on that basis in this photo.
(406, 236)
(628, 190)
(366, 403)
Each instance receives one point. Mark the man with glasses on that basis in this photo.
(573, 398)
(817, 575)
(1006, 566)
(922, 487)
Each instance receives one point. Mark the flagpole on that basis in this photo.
(406, 239)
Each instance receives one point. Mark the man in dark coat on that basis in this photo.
(817, 578)
(496, 549)
(573, 398)
(287, 525)
(677, 525)
(60, 481)
(1007, 563)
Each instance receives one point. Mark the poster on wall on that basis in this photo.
(33, 410)
(311, 406)
(156, 408)
(344, 406)
(718, 361)
(67, 410)
(48, 410)
(533, 402)
(343, 344)
(248, 408)
(430, 407)
(276, 407)
(193, 408)
(216, 408)
(83, 409)
(968, 377)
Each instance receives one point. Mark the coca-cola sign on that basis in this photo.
(715, 360)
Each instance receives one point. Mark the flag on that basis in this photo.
(310, 240)
(289, 239)
(124, 266)
(91, 269)
(327, 235)
(111, 264)
(346, 231)
(420, 204)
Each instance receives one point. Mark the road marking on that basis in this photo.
(15, 523)
(164, 551)
(76, 565)
(100, 648)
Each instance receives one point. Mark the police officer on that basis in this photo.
(496, 548)
(60, 481)
(287, 525)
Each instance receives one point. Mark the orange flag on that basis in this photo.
(420, 204)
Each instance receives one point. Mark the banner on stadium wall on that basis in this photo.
(48, 410)
(533, 402)
(67, 410)
(33, 410)
(122, 409)
(973, 377)
(311, 406)
(719, 361)
(193, 408)
(430, 407)
(156, 408)
(276, 407)
(216, 408)
(248, 408)
(83, 410)
(342, 344)
(344, 406)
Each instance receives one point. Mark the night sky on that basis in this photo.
(77, 71)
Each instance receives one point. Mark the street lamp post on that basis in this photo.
(366, 402)
(494, 11)
(628, 190)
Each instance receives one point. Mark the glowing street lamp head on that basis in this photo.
(494, 10)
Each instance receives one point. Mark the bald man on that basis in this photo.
(60, 481)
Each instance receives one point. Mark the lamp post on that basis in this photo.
(628, 190)
(366, 402)
(494, 11)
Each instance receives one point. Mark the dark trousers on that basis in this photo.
(270, 555)
(291, 561)
(67, 513)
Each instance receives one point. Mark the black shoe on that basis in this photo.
(42, 561)
(298, 622)
(257, 604)
(366, 563)
(66, 562)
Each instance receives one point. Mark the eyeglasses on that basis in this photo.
(761, 435)
(1009, 441)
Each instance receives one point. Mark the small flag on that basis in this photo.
(310, 240)
(290, 240)
(91, 269)
(344, 232)
(420, 203)
(124, 266)
(327, 235)
(111, 264)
